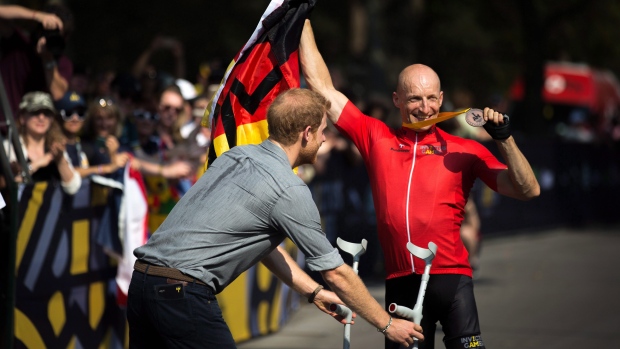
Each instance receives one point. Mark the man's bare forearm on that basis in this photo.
(519, 181)
(286, 269)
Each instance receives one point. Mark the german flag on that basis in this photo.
(267, 65)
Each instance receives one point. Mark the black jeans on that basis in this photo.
(449, 299)
(174, 315)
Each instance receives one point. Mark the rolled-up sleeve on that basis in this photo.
(296, 215)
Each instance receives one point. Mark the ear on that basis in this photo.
(440, 98)
(395, 99)
(305, 135)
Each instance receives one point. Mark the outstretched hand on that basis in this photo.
(402, 332)
(49, 21)
(324, 299)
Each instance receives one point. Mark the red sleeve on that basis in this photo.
(359, 128)
(488, 167)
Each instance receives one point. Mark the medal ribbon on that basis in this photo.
(441, 117)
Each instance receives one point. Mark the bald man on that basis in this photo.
(420, 180)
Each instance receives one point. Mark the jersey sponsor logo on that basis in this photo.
(472, 342)
(402, 148)
(433, 149)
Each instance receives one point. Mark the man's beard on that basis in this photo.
(308, 154)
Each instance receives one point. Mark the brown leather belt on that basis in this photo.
(173, 275)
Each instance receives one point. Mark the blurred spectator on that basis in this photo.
(148, 144)
(35, 63)
(171, 106)
(102, 83)
(42, 143)
(202, 78)
(126, 93)
(188, 91)
(71, 113)
(106, 155)
(341, 190)
(99, 141)
(152, 79)
(380, 109)
(80, 82)
(192, 130)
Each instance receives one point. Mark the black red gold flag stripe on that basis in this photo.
(266, 66)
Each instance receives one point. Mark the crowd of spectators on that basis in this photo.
(74, 123)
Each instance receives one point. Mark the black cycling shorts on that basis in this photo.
(449, 299)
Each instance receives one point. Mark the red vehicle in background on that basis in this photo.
(582, 103)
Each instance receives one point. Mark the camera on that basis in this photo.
(54, 42)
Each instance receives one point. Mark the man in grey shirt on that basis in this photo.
(236, 215)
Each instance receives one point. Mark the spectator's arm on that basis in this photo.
(141, 63)
(56, 83)
(176, 169)
(179, 56)
(70, 179)
(11, 12)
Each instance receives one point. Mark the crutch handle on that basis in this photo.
(401, 311)
(342, 310)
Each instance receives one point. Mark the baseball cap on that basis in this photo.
(70, 101)
(33, 101)
(188, 91)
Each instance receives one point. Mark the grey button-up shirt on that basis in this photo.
(239, 211)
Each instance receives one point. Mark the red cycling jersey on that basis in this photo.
(420, 183)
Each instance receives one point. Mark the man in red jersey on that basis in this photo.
(420, 179)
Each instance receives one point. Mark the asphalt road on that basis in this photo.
(548, 289)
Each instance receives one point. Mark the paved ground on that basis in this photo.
(551, 289)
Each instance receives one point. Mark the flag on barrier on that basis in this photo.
(266, 66)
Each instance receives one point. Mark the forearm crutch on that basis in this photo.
(415, 314)
(355, 250)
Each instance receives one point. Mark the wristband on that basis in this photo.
(386, 327)
(499, 132)
(314, 293)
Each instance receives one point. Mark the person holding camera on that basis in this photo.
(35, 63)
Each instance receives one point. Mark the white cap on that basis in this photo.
(187, 89)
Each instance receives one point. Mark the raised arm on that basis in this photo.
(317, 75)
(518, 181)
(48, 20)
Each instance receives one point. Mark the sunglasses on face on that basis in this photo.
(68, 114)
(45, 112)
(145, 115)
(171, 108)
